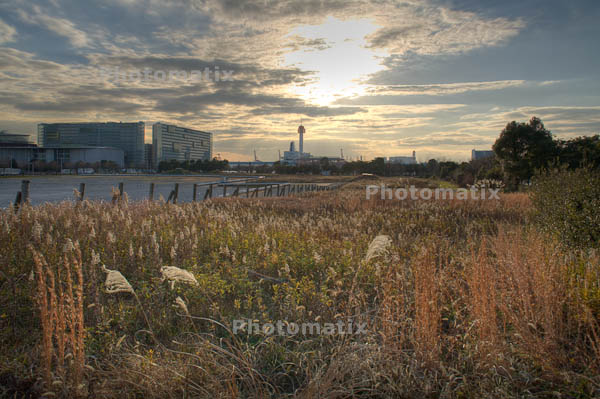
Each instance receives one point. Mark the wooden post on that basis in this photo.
(247, 191)
(81, 191)
(121, 190)
(208, 193)
(17, 201)
(24, 191)
(224, 190)
(175, 193)
(236, 192)
(195, 192)
(151, 193)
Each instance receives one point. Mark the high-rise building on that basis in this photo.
(148, 163)
(170, 142)
(129, 137)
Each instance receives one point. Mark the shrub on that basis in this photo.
(567, 205)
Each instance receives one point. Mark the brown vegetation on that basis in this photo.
(469, 300)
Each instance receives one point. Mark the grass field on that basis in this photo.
(464, 299)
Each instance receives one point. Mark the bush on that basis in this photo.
(567, 204)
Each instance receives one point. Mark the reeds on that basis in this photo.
(460, 299)
(60, 303)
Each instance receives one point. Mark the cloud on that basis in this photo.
(78, 105)
(7, 32)
(312, 111)
(243, 74)
(437, 30)
(446, 88)
(297, 43)
(60, 26)
(431, 91)
(446, 139)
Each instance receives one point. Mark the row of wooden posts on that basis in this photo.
(251, 190)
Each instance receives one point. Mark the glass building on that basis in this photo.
(170, 142)
(128, 137)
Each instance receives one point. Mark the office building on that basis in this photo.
(128, 137)
(170, 142)
(148, 162)
(15, 139)
(477, 154)
(23, 156)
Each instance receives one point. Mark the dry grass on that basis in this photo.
(60, 304)
(468, 300)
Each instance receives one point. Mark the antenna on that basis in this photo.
(342, 152)
(255, 158)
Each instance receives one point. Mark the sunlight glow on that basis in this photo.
(341, 66)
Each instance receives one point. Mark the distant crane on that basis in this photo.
(255, 158)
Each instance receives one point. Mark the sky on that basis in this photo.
(374, 78)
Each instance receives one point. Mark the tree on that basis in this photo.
(579, 151)
(522, 148)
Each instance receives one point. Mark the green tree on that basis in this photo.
(522, 148)
(579, 151)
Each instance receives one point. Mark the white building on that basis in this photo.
(170, 142)
(404, 160)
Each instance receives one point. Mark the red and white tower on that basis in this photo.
(301, 131)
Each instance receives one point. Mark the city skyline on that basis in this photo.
(378, 79)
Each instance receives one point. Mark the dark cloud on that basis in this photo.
(73, 105)
(273, 10)
(194, 103)
(243, 74)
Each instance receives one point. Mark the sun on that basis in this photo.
(341, 66)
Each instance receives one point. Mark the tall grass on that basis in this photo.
(467, 299)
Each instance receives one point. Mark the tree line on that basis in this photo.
(198, 165)
(521, 149)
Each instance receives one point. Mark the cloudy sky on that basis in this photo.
(376, 78)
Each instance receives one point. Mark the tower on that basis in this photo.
(301, 131)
